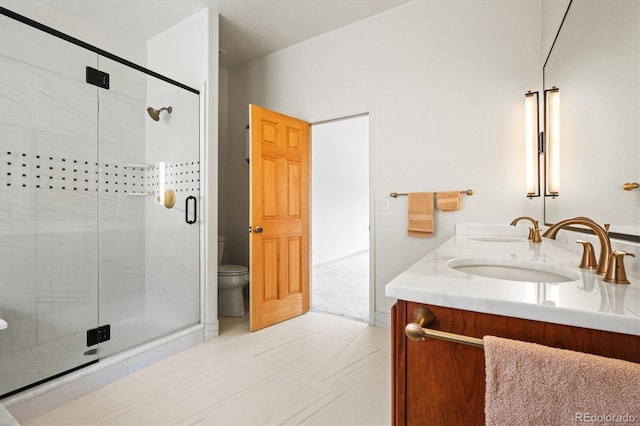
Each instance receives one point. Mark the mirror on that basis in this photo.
(595, 63)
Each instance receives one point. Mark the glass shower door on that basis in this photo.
(99, 219)
(48, 214)
(149, 268)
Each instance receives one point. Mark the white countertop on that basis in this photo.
(586, 302)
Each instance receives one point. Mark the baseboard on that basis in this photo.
(382, 319)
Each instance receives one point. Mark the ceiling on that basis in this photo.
(249, 29)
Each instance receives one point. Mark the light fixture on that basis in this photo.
(166, 197)
(532, 147)
(552, 124)
(161, 182)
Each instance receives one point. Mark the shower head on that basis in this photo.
(155, 113)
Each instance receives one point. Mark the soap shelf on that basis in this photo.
(138, 166)
(138, 194)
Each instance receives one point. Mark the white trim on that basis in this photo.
(382, 319)
(372, 220)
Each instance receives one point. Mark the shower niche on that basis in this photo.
(92, 262)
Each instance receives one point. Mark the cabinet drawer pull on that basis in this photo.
(423, 316)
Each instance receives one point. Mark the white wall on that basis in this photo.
(444, 84)
(340, 190)
(552, 14)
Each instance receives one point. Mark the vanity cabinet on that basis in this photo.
(436, 382)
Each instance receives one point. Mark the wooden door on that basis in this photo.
(279, 217)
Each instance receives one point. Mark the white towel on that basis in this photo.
(530, 384)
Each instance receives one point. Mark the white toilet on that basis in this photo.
(231, 282)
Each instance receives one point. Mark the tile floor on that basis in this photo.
(315, 369)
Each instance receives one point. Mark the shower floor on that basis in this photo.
(23, 368)
(341, 287)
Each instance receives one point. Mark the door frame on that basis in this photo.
(372, 203)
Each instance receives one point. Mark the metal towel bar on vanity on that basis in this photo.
(423, 316)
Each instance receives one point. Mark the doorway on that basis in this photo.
(340, 217)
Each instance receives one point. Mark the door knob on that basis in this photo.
(258, 230)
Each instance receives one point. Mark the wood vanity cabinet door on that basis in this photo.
(440, 383)
(443, 383)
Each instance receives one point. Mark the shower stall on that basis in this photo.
(99, 204)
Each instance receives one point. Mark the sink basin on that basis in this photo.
(498, 239)
(514, 270)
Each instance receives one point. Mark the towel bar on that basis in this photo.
(417, 334)
(468, 192)
(423, 316)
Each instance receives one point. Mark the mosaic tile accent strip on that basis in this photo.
(24, 170)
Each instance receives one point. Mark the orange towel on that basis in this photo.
(420, 215)
(448, 201)
(530, 384)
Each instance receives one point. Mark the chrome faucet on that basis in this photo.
(603, 237)
(534, 233)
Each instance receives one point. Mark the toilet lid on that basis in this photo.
(227, 270)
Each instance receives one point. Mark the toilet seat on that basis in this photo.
(232, 270)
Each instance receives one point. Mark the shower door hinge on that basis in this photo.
(98, 335)
(97, 78)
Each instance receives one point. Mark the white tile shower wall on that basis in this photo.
(17, 92)
(17, 229)
(50, 165)
(66, 106)
(44, 51)
(47, 120)
(17, 287)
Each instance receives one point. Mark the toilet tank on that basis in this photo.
(220, 249)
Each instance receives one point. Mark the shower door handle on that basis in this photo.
(186, 210)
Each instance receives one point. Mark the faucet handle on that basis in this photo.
(588, 256)
(615, 270)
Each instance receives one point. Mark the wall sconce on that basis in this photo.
(161, 182)
(552, 128)
(532, 146)
(166, 197)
